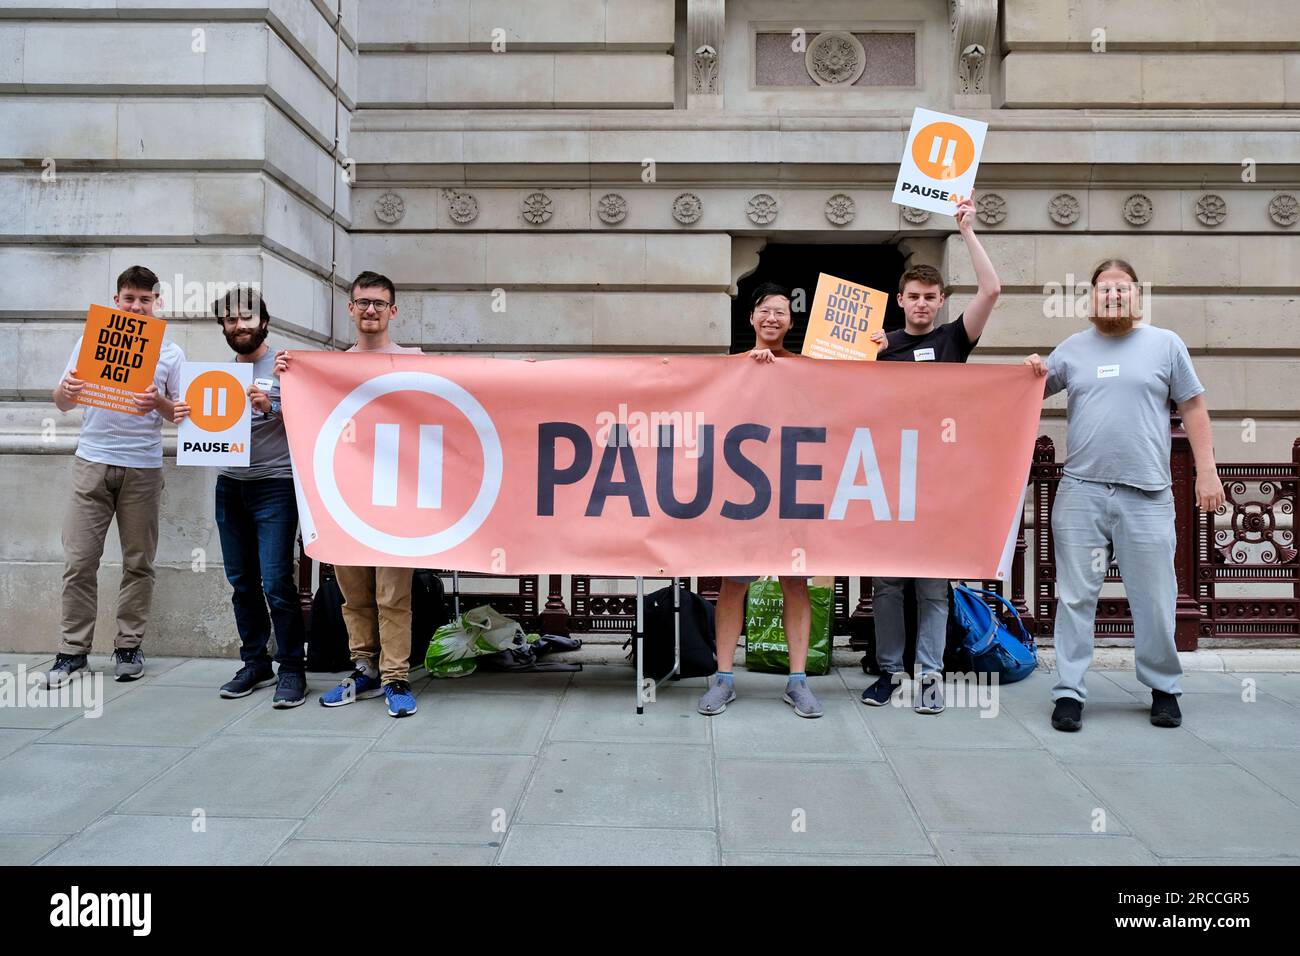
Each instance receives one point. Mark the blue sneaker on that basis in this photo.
(356, 686)
(401, 702)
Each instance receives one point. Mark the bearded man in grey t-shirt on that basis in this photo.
(1115, 496)
(257, 519)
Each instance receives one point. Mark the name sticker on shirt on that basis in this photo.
(923, 355)
(1107, 371)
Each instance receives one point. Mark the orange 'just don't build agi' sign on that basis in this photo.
(118, 357)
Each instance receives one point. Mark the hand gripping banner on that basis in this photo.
(681, 465)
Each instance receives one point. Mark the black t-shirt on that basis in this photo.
(943, 343)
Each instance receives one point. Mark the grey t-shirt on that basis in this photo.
(268, 452)
(1118, 391)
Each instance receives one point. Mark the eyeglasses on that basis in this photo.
(365, 305)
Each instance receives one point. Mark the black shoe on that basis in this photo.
(1067, 715)
(65, 665)
(290, 691)
(249, 679)
(880, 693)
(1164, 709)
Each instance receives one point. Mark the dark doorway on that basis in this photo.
(796, 265)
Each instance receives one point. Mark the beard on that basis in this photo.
(1113, 324)
(246, 345)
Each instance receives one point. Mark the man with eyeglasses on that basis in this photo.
(257, 518)
(117, 472)
(376, 601)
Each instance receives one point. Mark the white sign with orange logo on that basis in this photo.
(939, 162)
(218, 429)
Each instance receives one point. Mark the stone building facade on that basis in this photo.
(567, 177)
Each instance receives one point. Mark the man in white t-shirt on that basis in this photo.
(376, 601)
(117, 473)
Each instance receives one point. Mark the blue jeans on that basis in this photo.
(258, 524)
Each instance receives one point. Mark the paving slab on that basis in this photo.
(1205, 811)
(125, 840)
(423, 798)
(247, 776)
(549, 845)
(61, 788)
(997, 791)
(806, 806)
(616, 784)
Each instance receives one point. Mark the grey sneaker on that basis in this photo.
(929, 694)
(65, 665)
(716, 698)
(802, 700)
(128, 663)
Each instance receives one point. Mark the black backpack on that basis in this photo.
(429, 612)
(327, 635)
(697, 635)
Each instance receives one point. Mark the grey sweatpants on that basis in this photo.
(1090, 519)
(931, 623)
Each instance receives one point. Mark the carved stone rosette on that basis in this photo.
(1138, 209)
(389, 208)
(687, 208)
(840, 209)
(1284, 209)
(761, 209)
(835, 58)
(1063, 209)
(611, 208)
(462, 207)
(1211, 209)
(991, 209)
(538, 208)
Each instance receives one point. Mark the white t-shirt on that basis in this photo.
(129, 441)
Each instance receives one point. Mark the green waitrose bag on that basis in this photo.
(765, 646)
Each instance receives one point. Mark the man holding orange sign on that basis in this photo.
(127, 376)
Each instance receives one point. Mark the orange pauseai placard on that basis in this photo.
(216, 401)
(118, 357)
(943, 151)
(842, 319)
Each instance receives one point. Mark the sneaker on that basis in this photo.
(1164, 709)
(799, 697)
(1067, 715)
(290, 690)
(65, 665)
(401, 702)
(929, 694)
(882, 691)
(128, 663)
(716, 698)
(249, 678)
(356, 686)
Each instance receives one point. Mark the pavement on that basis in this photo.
(558, 768)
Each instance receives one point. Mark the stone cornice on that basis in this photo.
(1027, 120)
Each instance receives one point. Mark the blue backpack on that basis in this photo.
(991, 647)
